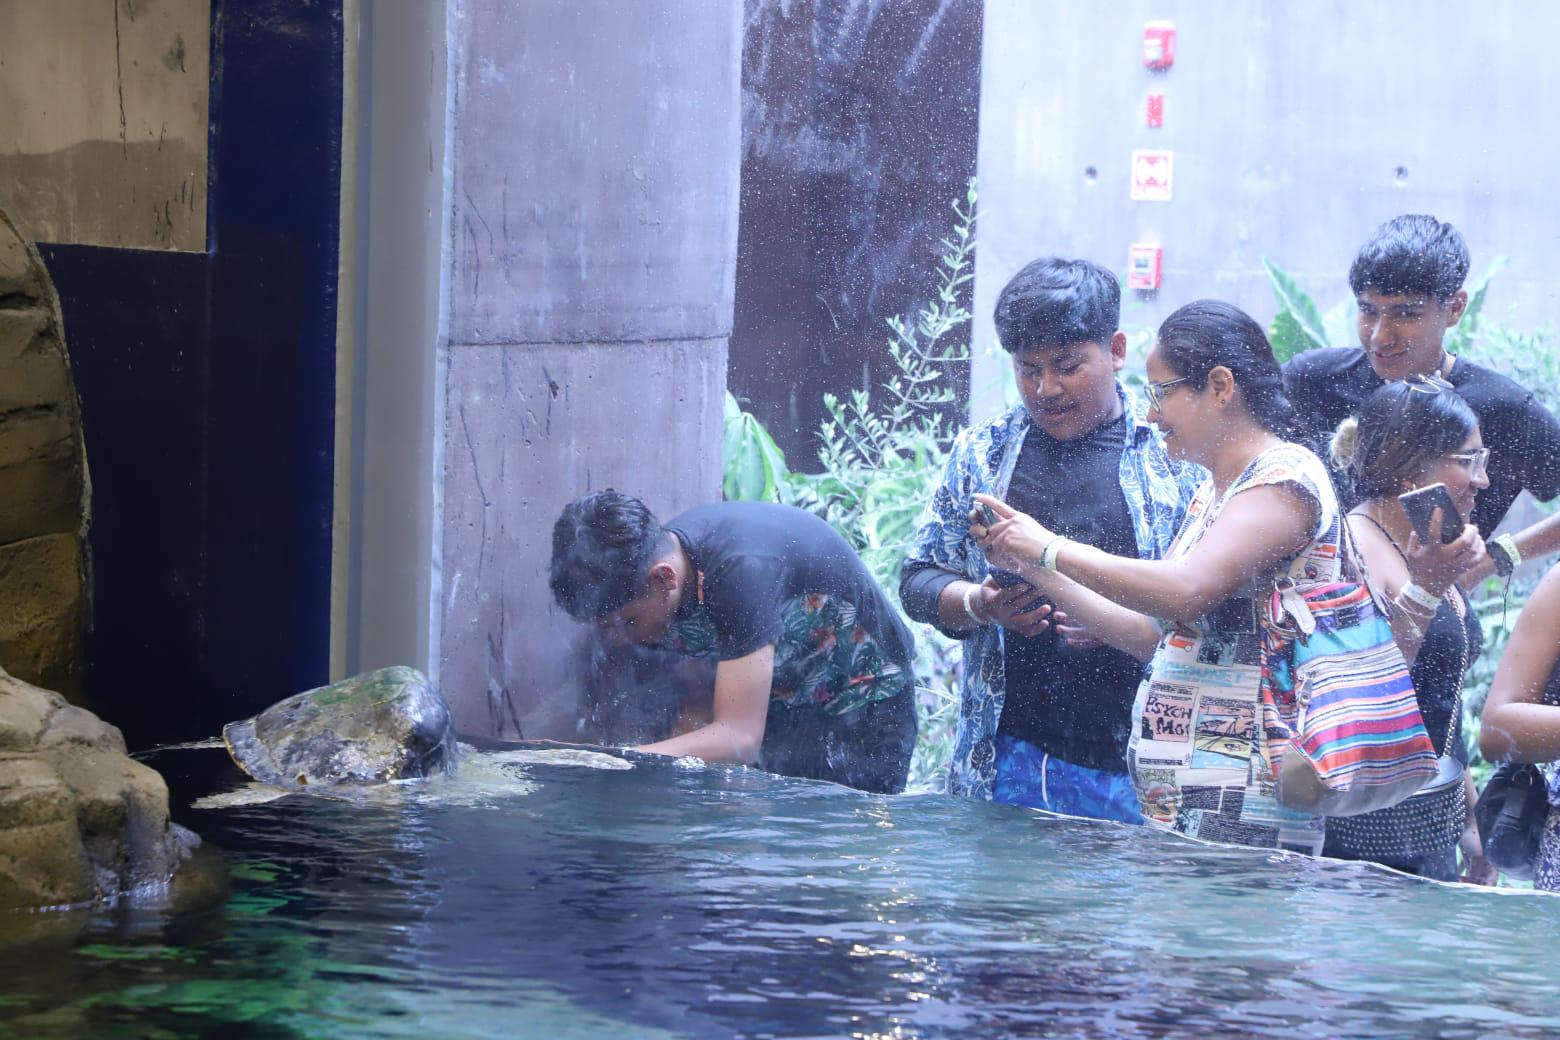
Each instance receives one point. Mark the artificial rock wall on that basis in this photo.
(594, 166)
(43, 480)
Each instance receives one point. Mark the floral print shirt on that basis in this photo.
(1157, 492)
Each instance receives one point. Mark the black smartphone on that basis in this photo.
(1004, 578)
(1421, 502)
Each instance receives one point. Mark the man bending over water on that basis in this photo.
(814, 676)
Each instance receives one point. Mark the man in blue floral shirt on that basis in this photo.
(1045, 710)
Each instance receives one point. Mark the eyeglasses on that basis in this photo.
(1477, 462)
(1154, 390)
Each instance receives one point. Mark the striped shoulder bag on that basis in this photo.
(1338, 705)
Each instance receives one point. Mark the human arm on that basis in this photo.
(1476, 869)
(935, 596)
(1517, 726)
(941, 581)
(1432, 566)
(1527, 434)
(741, 706)
(1257, 530)
(1533, 542)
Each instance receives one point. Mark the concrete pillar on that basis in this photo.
(594, 157)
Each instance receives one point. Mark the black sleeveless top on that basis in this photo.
(1450, 646)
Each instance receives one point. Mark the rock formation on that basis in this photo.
(43, 480)
(80, 821)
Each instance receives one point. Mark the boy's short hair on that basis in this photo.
(1411, 255)
(602, 548)
(1053, 300)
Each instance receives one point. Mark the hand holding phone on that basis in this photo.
(1421, 503)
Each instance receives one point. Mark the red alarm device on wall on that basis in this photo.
(1159, 45)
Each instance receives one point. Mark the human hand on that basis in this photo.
(1434, 566)
(1479, 871)
(1014, 542)
(1076, 636)
(1485, 568)
(1019, 607)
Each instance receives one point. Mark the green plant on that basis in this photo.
(882, 454)
(1299, 325)
(755, 468)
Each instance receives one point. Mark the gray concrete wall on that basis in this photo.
(103, 121)
(387, 496)
(594, 159)
(1297, 128)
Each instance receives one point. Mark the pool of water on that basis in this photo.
(550, 901)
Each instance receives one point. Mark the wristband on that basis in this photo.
(1409, 607)
(969, 609)
(1048, 554)
(1418, 595)
(1503, 550)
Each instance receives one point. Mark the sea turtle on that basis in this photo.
(350, 738)
(384, 725)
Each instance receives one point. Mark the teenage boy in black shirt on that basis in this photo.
(814, 676)
(1408, 283)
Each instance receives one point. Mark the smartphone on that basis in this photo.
(1421, 502)
(988, 516)
(1004, 578)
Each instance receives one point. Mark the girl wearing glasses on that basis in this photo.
(1409, 435)
(1266, 511)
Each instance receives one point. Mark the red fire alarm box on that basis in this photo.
(1144, 264)
(1159, 45)
(1154, 111)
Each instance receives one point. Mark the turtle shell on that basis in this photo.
(383, 725)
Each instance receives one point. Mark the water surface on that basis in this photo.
(538, 900)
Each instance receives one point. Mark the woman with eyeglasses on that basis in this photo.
(1266, 511)
(1410, 435)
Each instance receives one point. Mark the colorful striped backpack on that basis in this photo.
(1339, 711)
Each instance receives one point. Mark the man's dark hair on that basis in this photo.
(1057, 301)
(602, 548)
(1411, 255)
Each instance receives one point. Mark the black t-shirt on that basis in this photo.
(1328, 385)
(1074, 704)
(756, 557)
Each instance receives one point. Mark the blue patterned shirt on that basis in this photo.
(1157, 491)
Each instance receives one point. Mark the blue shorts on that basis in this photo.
(1029, 776)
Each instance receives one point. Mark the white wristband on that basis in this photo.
(969, 608)
(1425, 599)
(1048, 554)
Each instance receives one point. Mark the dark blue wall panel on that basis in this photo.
(207, 386)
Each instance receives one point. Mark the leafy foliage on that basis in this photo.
(1298, 325)
(882, 454)
(755, 465)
